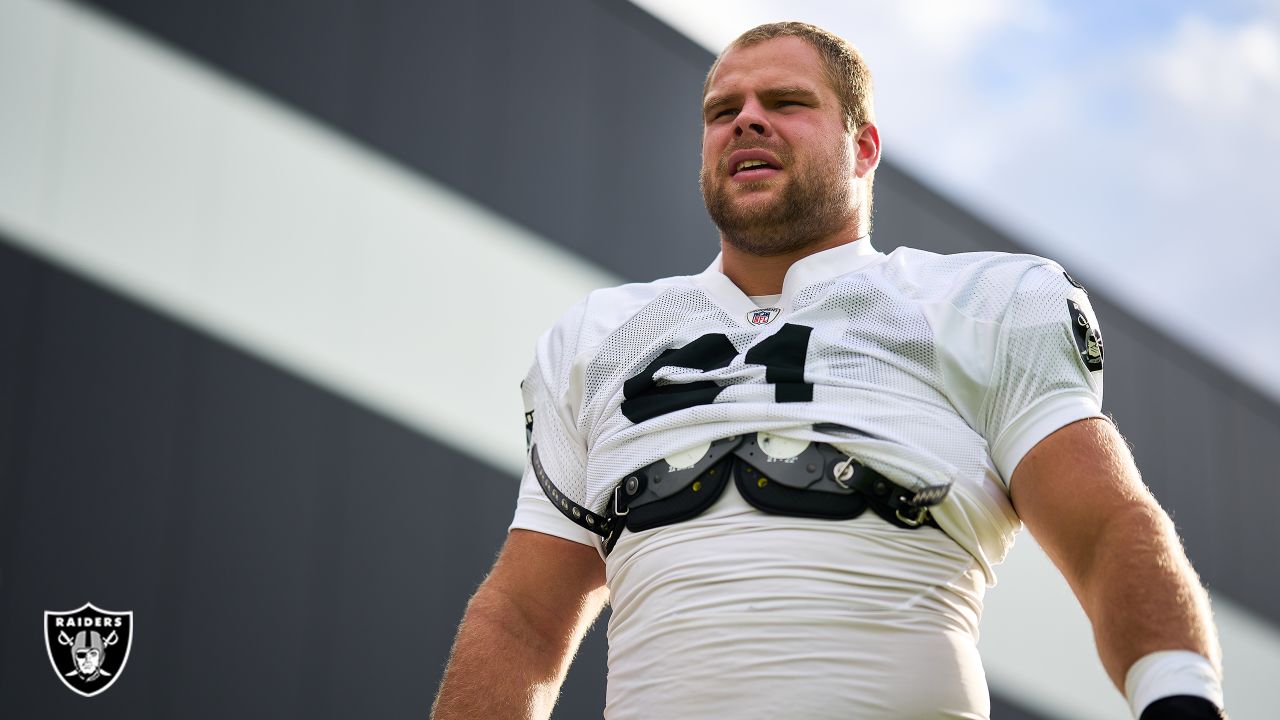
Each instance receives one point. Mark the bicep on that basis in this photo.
(557, 584)
(1072, 486)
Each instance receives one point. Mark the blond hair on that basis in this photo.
(846, 71)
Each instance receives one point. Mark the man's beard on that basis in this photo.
(813, 205)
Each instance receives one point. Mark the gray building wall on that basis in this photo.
(278, 537)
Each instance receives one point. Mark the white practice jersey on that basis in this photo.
(929, 368)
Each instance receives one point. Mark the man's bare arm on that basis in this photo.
(521, 630)
(1080, 494)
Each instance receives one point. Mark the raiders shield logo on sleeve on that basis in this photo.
(88, 647)
(1088, 338)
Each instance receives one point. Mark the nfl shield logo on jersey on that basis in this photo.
(88, 647)
(763, 316)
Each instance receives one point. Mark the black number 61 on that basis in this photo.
(782, 354)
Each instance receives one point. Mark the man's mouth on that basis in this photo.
(748, 165)
(752, 164)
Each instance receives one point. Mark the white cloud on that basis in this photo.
(940, 28)
(1217, 72)
(953, 29)
(1148, 167)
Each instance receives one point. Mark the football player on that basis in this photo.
(792, 473)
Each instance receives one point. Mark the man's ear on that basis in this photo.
(866, 146)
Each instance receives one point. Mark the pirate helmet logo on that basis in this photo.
(88, 647)
(1088, 338)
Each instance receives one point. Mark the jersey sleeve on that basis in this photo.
(1047, 369)
(551, 425)
(534, 511)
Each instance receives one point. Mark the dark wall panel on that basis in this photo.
(19, 328)
(1002, 709)
(285, 552)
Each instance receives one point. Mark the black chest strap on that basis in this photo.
(818, 482)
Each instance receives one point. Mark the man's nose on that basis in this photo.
(751, 120)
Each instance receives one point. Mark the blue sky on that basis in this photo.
(1136, 143)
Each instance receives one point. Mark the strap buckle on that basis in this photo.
(919, 516)
(918, 505)
(617, 511)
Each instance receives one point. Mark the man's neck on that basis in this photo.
(763, 274)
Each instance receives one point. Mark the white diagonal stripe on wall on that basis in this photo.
(178, 187)
(190, 192)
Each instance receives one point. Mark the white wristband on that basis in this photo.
(1170, 672)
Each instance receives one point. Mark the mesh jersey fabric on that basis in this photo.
(939, 368)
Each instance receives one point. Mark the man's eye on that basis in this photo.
(725, 112)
